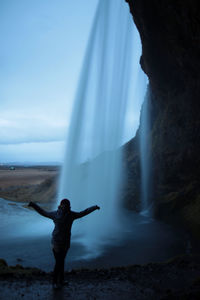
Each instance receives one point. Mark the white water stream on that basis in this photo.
(111, 74)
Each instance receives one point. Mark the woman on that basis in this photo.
(63, 218)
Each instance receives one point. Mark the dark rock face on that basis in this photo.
(131, 186)
(169, 32)
(170, 35)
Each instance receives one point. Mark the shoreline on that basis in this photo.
(177, 278)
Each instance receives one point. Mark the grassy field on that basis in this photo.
(24, 184)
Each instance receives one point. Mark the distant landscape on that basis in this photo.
(32, 183)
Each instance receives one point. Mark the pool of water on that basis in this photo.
(25, 238)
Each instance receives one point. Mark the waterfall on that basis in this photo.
(92, 172)
(145, 156)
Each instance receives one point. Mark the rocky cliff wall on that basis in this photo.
(170, 35)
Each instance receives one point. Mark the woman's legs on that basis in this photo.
(58, 273)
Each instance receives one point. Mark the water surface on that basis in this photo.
(25, 238)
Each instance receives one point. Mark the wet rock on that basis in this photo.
(169, 32)
(3, 263)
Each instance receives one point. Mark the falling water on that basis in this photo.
(145, 154)
(92, 171)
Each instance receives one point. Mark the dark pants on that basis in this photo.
(58, 273)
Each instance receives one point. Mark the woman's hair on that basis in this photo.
(65, 202)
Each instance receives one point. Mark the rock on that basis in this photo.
(170, 32)
(3, 263)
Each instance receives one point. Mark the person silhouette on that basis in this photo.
(63, 219)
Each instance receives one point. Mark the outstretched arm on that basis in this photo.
(85, 212)
(41, 211)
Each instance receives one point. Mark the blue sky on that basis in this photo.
(42, 49)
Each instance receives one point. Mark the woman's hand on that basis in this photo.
(97, 207)
(31, 204)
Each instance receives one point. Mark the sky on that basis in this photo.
(42, 48)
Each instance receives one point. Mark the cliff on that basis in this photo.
(170, 36)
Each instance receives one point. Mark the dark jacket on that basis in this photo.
(63, 220)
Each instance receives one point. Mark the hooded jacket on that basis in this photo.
(63, 221)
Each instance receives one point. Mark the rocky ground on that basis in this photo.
(178, 278)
